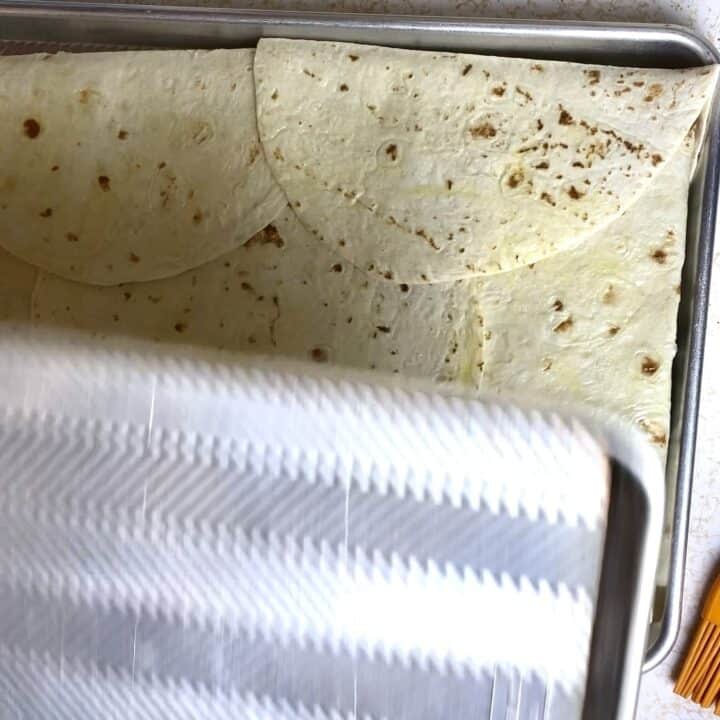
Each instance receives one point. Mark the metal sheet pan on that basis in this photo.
(130, 466)
(31, 25)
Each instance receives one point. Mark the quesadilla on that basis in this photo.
(130, 166)
(597, 325)
(427, 166)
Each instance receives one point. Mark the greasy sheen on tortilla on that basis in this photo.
(130, 166)
(428, 166)
(285, 293)
(597, 325)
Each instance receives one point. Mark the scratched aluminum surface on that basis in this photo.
(190, 536)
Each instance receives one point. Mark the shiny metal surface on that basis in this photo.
(32, 25)
(191, 535)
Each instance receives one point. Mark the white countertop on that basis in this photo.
(657, 701)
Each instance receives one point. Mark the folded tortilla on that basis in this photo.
(427, 166)
(597, 325)
(130, 166)
(285, 293)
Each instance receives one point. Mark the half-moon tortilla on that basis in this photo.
(428, 166)
(597, 325)
(129, 166)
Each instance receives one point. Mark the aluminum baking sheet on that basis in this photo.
(32, 26)
(191, 534)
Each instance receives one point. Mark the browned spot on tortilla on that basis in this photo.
(524, 93)
(404, 287)
(353, 58)
(558, 305)
(639, 83)
(267, 236)
(122, 134)
(309, 73)
(31, 128)
(593, 76)
(547, 364)
(46, 213)
(537, 67)
(274, 95)
(104, 182)
(543, 165)
(277, 154)
(540, 124)
(484, 130)
(466, 69)
(609, 295)
(449, 184)
(656, 159)
(654, 91)
(421, 233)
(548, 199)
(54, 168)
(253, 153)
(515, 178)
(391, 150)
(344, 88)
(84, 95)
(319, 354)
(337, 267)
(655, 431)
(197, 217)
(564, 325)
(577, 163)
(133, 258)
(161, 165)
(565, 117)
(613, 330)
(498, 90)
(574, 193)
(388, 275)
(649, 365)
(382, 328)
(180, 327)
(659, 256)
(71, 237)
(127, 295)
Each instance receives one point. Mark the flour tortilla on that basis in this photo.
(130, 165)
(426, 166)
(285, 293)
(597, 325)
(17, 282)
